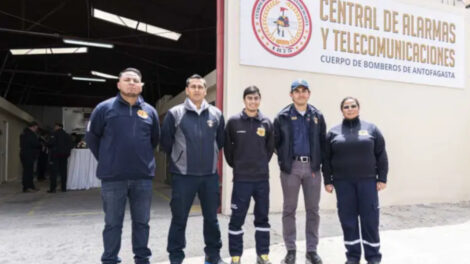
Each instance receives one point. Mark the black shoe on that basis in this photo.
(35, 189)
(51, 191)
(352, 262)
(313, 258)
(212, 261)
(289, 258)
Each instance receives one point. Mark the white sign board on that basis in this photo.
(362, 38)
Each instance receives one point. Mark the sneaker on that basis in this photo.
(313, 258)
(289, 258)
(263, 259)
(211, 261)
(235, 260)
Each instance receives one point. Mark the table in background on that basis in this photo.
(82, 170)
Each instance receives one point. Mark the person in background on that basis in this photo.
(356, 166)
(43, 155)
(30, 146)
(60, 145)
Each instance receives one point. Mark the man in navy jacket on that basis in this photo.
(248, 148)
(192, 135)
(122, 135)
(299, 131)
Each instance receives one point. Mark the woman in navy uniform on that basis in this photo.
(356, 167)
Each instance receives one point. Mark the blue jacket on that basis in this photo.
(284, 138)
(249, 146)
(123, 138)
(191, 140)
(355, 150)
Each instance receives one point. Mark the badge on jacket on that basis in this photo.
(315, 119)
(210, 123)
(363, 133)
(142, 114)
(261, 131)
(294, 118)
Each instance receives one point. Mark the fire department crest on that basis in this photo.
(283, 27)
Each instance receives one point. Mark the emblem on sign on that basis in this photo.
(142, 114)
(282, 27)
(363, 133)
(210, 123)
(261, 131)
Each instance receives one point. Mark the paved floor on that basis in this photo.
(66, 228)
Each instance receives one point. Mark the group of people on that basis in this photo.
(124, 131)
(49, 153)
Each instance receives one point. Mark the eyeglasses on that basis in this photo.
(350, 106)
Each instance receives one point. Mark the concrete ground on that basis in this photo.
(66, 228)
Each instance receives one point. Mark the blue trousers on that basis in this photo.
(114, 195)
(241, 196)
(359, 201)
(184, 189)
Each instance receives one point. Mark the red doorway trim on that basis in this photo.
(219, 101)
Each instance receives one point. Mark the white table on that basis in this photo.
(82, 170)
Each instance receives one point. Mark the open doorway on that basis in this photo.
(3, 151)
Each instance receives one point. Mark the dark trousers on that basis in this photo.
(184, 189)
(359, 200)
(241, 196)
(114, 195)
(27, 161)
(58, 166)
(42, 166)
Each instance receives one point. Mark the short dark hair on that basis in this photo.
(59, 124)
(252, 89)
(195, 76)
(348, 98)
(130, 70)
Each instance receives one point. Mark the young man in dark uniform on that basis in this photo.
(248, 147)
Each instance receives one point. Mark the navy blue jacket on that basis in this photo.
(191, 140)
(355, 150)
(249, 146)
(284, 138)
(123, 138)
(30, 145)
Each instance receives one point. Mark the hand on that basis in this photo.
(381, 186)
(329, 188)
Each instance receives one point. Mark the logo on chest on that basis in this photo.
(363, 133)
(261, 131)
(142, 114)
(210, 123)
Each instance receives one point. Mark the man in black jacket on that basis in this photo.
(248, 147)
(29, 152)
(299, 131)
(60, 146)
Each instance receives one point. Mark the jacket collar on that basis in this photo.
(259, 116)
(286, 111)
(192, 107)
(139, 101)
(351, 122)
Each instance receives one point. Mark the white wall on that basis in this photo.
(426, 127)
(17, 121)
